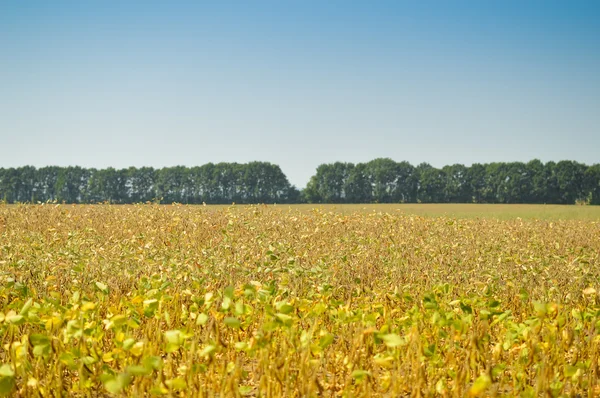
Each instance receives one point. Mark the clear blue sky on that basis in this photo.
(298, 83)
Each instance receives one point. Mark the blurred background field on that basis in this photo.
(457, 210)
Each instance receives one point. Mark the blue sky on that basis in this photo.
(298, 83)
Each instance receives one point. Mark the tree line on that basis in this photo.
(387, 181)
(378, 181)
(222, 183)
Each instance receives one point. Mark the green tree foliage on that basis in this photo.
(386, 181)
(108, 185)
(141, 184)
(391, 181)
(458, 188)
(72, 184)
(431, 185)
(378, 181)
(570, 179)
(358, 187)
(331, 182)
(592, 184)
(255, 182)
(538, 178)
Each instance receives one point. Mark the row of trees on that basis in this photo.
(380, 181)
(387, 181)
(255, 182)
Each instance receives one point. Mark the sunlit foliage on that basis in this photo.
(178, 300)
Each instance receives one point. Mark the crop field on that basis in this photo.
(276, 301)
(498, 211)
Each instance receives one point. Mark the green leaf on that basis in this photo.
(319, 308)
(117, 321)
(128, 343)
(113, 386)
(41, 350)
(497, 370)
(6, 371)
(102, 287)
(232, 322)
(392, 340)
(429, 350)
(26, 307)
(208, 350)
(226, 303)
(7, 379)
(501, 317)
(154, 362)
(286, 319)
(68, 359)
(138, 370)
(39, 339)
(173, 336)
(239, 308)
(201, 319)
(360, 374)
(15, 319)
(228, 292)
(570, 370)
(541, 309)
(88, 360)
(174, 340)
(150, 307)
(466, 308)
(326, 340)
(176, 384)
(117, 384)
(284, 308)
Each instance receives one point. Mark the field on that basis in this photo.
(499, 211)
(276, 301)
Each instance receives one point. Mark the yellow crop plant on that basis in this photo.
(151, 300)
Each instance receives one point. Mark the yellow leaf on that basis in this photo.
(88, 306)
(481, 384)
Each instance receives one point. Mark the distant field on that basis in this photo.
(455, 210)
(499, 211)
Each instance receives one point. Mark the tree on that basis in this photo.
(329, 183)
(108, 185)
(392, 182)
(407, 183)
(172, 184)
(570, 178)
(312, 194)
(47, 178)
(476, 179)
(592, 184)
(431, 184)
(71, 184)
(552, 190)
(513, 183)
(383, 175)
(358, 187)
(141, 184)
(380, 180)
(539, 185)
(9, 185)
(457, 187)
